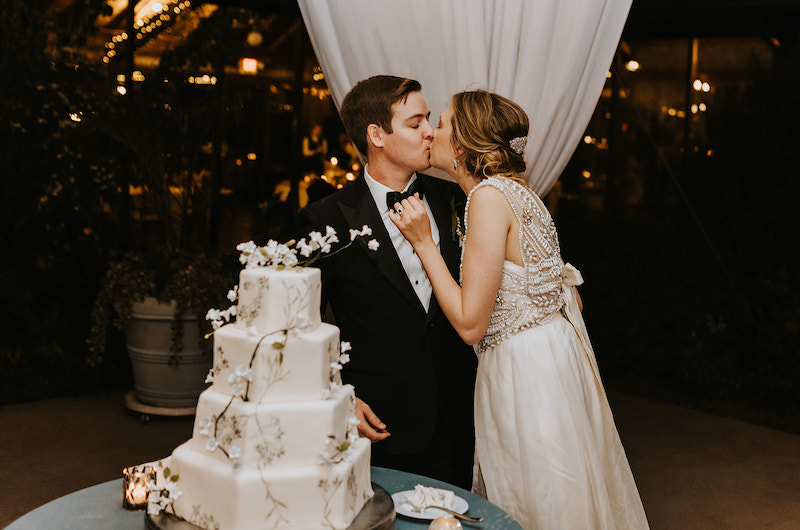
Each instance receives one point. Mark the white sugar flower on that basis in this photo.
(254, 260)
(234, 452)
(315, 240)
(325, 241)
(210, 376)
(344, 358)
(285, 256)
(212, 445)
(233, 293)
(270, 250)
(336, 367)
(205, 427)
(373, 244)
(345, 347)
(304, 248)
(219, 318)
(333, 387)
(244, 372)
(302, 321)
(246, 249)
(153, 505)
(365, 231)
(330, 234)
(173, 490)
(237, 390)
(353, 421)
(327, 456)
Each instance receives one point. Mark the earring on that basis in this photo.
(455, 164)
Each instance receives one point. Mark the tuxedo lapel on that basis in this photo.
(441, 209)
(362, 211)
(439, 202)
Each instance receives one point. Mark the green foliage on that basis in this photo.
(195, 282)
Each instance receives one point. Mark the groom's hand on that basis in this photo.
(369, 425)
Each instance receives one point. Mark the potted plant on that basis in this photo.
(159, 299)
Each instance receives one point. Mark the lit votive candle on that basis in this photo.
(134, 486)
(445, 523)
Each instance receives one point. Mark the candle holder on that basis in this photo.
(445, 523)
(134, 486)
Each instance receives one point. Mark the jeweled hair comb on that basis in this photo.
(518, 144)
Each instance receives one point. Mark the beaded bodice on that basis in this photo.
(532, 293)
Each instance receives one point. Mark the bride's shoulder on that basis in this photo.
(487, 197)
(490, 187)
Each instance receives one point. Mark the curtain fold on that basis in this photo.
(549, 56)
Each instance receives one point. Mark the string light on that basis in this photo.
(149, 25)
(632, 65)
(248, 65)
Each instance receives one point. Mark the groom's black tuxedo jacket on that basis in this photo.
(409, 366)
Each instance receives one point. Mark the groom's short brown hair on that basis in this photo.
(370, 101)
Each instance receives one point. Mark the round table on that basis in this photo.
(100, 506)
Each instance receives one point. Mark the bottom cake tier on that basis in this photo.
(218, 495)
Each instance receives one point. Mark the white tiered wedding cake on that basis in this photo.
(275, 442)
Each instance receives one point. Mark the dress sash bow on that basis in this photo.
(570, 279)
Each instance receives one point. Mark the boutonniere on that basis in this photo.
(456, 231)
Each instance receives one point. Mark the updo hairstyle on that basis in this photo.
(483, 125)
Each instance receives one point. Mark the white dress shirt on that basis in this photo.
(411, 263)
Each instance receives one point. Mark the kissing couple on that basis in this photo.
(468, 343)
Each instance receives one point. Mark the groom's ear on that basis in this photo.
(375, 134)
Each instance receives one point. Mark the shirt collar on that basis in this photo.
(379, 190)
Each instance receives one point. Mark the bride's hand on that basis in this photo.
(412, 220)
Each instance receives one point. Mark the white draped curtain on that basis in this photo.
(549, 56)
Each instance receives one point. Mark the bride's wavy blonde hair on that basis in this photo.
(483, 125)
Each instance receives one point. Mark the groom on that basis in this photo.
(413, 376)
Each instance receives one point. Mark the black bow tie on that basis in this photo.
(398, 196)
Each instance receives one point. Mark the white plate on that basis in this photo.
(459, 505)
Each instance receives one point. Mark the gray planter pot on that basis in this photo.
(157, 382)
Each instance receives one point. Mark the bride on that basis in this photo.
(548, 450)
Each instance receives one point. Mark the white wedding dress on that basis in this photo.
(547, 447)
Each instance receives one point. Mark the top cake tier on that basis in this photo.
(272, 300)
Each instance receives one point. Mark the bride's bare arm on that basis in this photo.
(468, 309)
